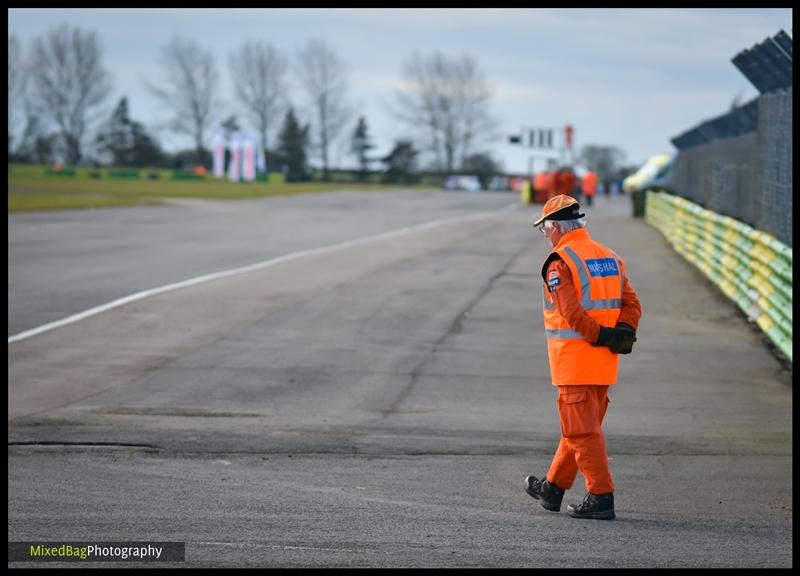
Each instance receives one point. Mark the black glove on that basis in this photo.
(627, 339)
(608, 337)
(619, 339)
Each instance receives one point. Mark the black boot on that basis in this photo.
(549, 494)
(595, 506)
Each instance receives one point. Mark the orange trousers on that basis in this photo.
(582, 446)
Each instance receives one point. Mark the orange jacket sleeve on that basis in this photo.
(567, 304)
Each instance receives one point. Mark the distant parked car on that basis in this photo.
(462, 182)
(500, 183)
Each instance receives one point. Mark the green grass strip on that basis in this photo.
(32, 193)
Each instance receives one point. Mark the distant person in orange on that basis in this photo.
(549, 185)
(591, 314)
(564, 182)
(589, 186)
(540, 187)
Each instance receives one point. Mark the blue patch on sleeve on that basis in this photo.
(602, 267)
(553, 280)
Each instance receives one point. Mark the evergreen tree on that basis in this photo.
(360, 144)
(401, 163)
(145, 149)
(127, 141)
(116, 138)
(292, 144)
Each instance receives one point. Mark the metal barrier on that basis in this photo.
(751, 267)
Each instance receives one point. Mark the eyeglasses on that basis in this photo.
(540, 227)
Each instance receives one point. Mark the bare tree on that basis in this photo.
(448, 100)
(604, 160)
(259, 72)
(189, 89)
(16, 83)
(33, 143)
(322, 74)
(69, 82)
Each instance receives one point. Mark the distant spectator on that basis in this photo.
(589, 186)
(564, 181)
(540, 187)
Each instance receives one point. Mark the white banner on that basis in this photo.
(218, 146)
(249, 158)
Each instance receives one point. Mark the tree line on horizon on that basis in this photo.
(58, 90)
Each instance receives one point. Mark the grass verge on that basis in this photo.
(28, 193)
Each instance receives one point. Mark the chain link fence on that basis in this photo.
(744, 170)
(773, 202)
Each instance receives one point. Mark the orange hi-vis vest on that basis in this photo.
(597, 274)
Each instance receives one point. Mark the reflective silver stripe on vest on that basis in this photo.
(586, 290)
(602, 304)
(564, 333)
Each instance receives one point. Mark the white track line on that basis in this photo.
(252, 267)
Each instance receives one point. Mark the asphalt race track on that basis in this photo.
(377, 396)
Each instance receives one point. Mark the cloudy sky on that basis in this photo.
(631, 78)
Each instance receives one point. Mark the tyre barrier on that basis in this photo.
(751, 267)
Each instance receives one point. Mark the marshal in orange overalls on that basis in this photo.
(585, 286)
